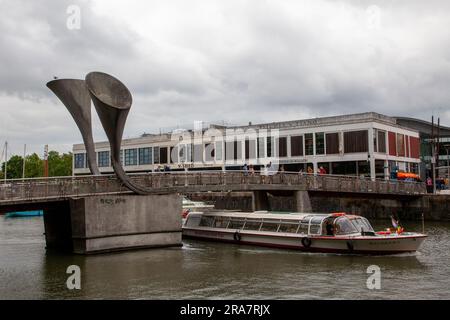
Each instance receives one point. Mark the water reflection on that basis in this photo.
(201, 269)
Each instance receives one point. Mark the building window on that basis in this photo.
(282, 147)
(121, 156)
(145, 156)
(261, 148)
(103, 158)
(392, 144)
(309, 144)
(400, 145)
(156, 155)
(356, 141)
(270, 147)
(296, 146)
(320, 143)
(209, 152)
(381, 137)
(163, 154)
(79, 160)
(250, 149)
(237, 150)
(130, 157)
(332, 142)
(198, 153)
(218, 150)
(174, 156)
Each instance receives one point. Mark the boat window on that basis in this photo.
(252, 224)
(236, 223)
(206, 221)
(270, 226)
(288, 227)
(306, 219)
(221, 222)
(362, 224)
(193, 220)
(303, 228)
(317, 220)
(314, 229)
(344, 226)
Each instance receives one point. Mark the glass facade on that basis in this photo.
(309, 144)
(155, 154)
(130, 157)
(103, 158)
(320, 143)
(80, 160)
(145, 155)
(219, 150)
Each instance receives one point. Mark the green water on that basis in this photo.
(204, 270)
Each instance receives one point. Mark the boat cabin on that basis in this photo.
(313, 224)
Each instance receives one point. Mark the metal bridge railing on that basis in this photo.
(159, 182)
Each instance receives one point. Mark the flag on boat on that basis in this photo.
(394, 222)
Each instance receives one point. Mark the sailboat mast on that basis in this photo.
(24, 155)
(6, 159)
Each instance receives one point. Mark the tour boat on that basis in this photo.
(312, 232)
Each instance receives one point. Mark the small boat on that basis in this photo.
(311, 232)
(21, 214)
(196, 205)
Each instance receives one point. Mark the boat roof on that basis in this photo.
(265, 215)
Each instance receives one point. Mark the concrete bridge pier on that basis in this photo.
(111, 223)
(302, 202)
(58, 227)
(260, 201)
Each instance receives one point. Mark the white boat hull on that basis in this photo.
(379, 244)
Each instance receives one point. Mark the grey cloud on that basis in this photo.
(254, 61)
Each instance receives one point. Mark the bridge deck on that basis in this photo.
(61, 188)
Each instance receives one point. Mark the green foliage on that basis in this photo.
(58, 165)
(15, 164)
(34, 166)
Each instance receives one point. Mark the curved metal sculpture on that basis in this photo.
(75, 96)
(112, 100)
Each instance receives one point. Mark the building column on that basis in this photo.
(371, 155)
(386, 170)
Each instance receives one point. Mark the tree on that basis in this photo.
(34, 166)
(59, 165)
(14, 169)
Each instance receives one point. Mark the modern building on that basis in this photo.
(368, 144)
(441, 138)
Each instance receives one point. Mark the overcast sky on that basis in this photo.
(227, 60)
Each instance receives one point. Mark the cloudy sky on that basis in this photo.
(233, 61)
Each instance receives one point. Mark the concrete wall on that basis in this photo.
(109, 223)
(373, 206)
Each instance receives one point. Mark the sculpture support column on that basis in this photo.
(75, 96)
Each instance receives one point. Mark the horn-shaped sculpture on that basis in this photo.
(112, 100)
(75, 96)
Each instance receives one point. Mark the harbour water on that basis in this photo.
(205, 270)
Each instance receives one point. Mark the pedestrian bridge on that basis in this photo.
(23, 191)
